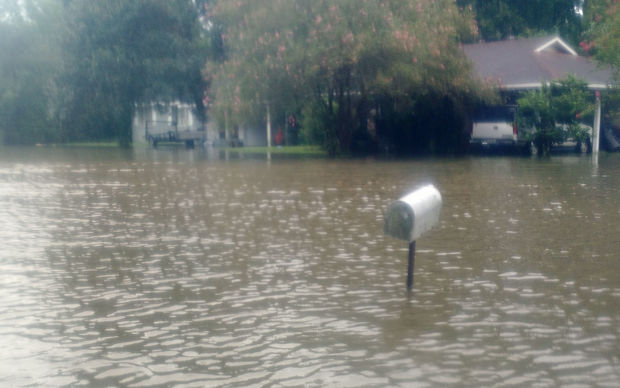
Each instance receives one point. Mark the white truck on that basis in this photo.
(496, 126)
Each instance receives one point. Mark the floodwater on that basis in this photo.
(176, 268)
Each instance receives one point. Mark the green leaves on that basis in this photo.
(336, 57)
(29, 65)
(501, 19)
(545, 112)
(602, 36)
(126, 52)
(74, 70)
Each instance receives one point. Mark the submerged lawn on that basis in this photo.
(93, 144)
(302, 150)
(284, 150)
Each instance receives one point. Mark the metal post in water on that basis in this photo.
(410, 265)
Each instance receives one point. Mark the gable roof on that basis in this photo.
(527, 63)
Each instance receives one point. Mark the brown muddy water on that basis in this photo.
(177, 268)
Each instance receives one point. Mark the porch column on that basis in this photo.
(596, 130)
(268, 127)
(226, 127)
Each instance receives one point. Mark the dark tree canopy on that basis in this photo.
(29, 65)
(126, 52)
(74, 70)
(500, 19)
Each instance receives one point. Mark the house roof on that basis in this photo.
(527, 63)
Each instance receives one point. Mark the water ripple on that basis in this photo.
(138, 273)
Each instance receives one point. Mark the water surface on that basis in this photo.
(179, 268)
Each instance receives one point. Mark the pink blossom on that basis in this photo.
(348, 38)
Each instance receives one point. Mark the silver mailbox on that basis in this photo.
(414, 214)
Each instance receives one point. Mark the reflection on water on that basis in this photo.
(179, 268)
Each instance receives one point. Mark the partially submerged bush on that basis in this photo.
(546, 112)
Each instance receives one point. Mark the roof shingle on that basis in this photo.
(516, 64)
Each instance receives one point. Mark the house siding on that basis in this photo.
(156, 118)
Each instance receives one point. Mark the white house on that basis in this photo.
(164, 119)
(158, 118)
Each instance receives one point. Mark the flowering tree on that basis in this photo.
(336, 59)
(602, 40)
(603, 32)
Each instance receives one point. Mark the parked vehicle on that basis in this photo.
(612, 140)
(496, 126)
(563, 138)
(576, 138)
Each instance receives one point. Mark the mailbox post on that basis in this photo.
(412, 216)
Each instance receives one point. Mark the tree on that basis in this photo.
(126, 52)
(336, 60)
(500, 19)
(602, 36)
(75, 70)
(553, 113)
(29, 65)
(602, 40)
